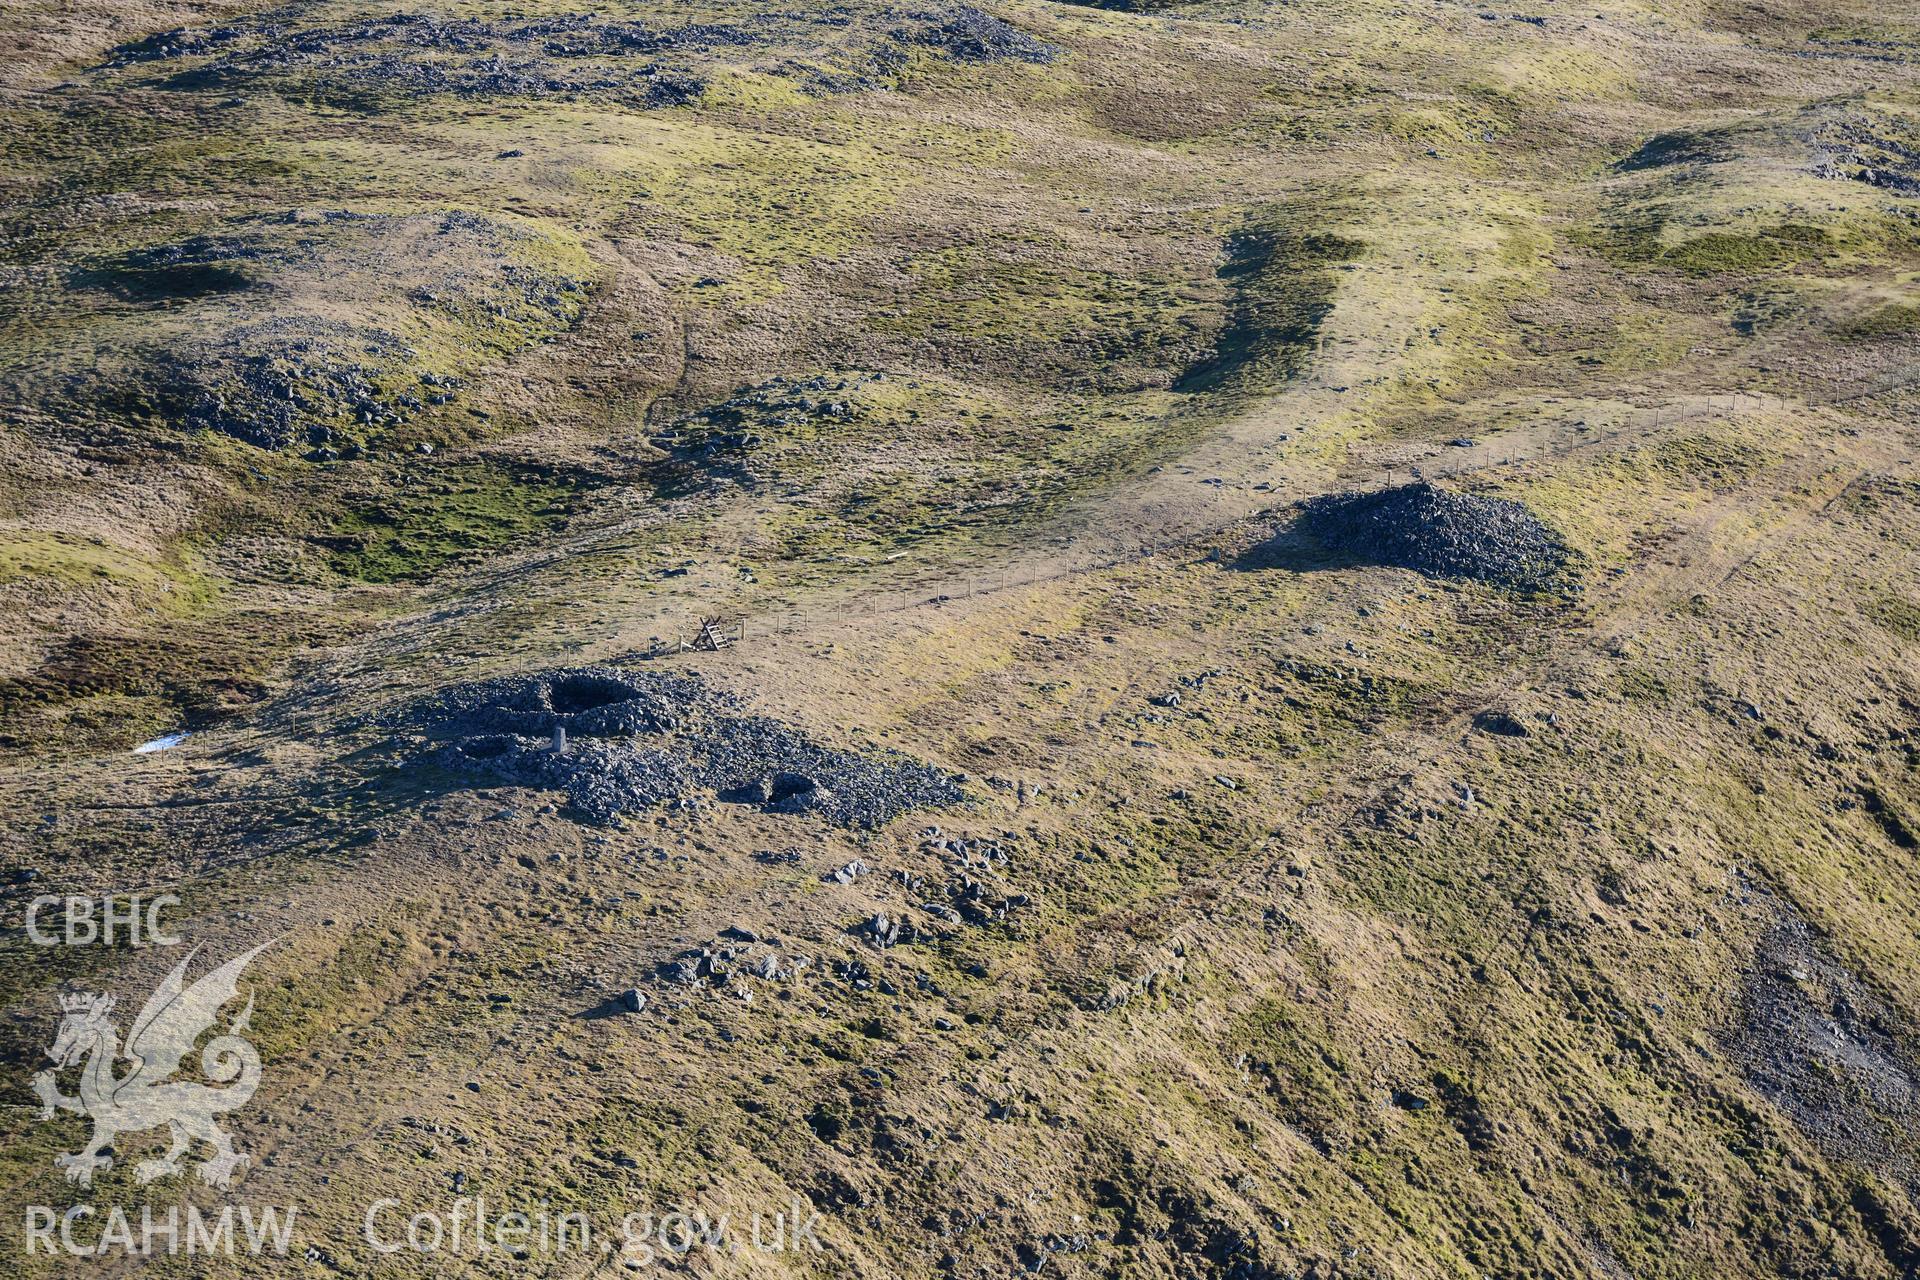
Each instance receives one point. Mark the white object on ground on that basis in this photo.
(163, 743)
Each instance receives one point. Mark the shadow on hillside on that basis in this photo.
(1294, 552)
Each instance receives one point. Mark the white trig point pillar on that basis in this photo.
(559, 739)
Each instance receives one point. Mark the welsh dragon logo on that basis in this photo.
(146, 1097)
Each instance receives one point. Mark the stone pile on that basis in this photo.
(635, 740)
(1439, 533)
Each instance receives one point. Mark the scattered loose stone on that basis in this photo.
(849, 873)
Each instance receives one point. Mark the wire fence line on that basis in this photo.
(968, 585)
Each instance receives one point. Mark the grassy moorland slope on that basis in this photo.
(975, 361)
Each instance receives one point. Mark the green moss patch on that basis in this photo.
(1900, 616)
(1643, 241)
(1278, 268)
(1891, 321)
(1702, 458)
(438, 518)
